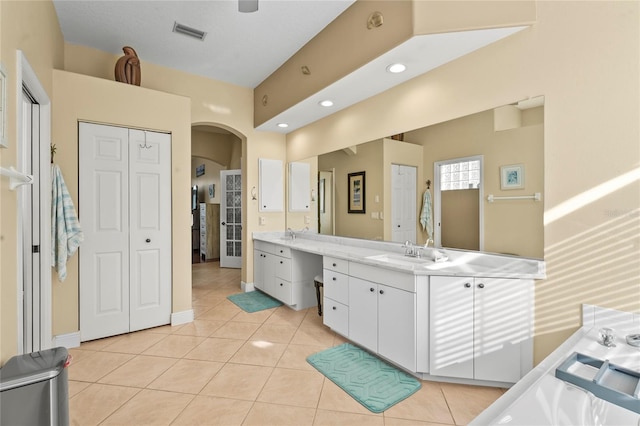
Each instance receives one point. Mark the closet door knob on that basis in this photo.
(381, 291)
(480, 285)
(371, 289)
(467, 285)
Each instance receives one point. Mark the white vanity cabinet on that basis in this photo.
(263, 269)
(382, 319)
(335, 301)
(299, 187)
(271, 185)
(480, 328)
(286, 274)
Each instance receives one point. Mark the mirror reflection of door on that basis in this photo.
(403, 203)
(458, 203)
(325, 203)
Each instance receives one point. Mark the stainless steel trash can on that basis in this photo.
(34, 389)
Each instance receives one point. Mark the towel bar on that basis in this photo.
(16, 178)
(536, 197)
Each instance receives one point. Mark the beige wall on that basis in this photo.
(210, 177)
(461, 219)
(212, 103)
(83, 98)
(30, 26)
(509, 226)
(584, 57)
(218, 147)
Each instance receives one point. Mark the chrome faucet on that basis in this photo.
(411, 250)
(292, 234)
(429, 240)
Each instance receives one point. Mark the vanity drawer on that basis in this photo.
(338, 265)
(263, 246)
(282, 251)
(399, 280)
(336, 286)
(282, 291)
(283, 268)
(336, 316)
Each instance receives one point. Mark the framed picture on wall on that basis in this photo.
(356, 192)
(212, 190)
(512, 177)
(200, 170)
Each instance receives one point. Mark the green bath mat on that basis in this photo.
(369, 380)
(254, 301)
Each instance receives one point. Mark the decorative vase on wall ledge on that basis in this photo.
(128, 67)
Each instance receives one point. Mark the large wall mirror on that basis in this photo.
(460, 163)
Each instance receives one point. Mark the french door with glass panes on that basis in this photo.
(231, 219)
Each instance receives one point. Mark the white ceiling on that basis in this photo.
(239, 48)
(245, 48)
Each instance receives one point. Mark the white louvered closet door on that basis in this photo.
(125, 212)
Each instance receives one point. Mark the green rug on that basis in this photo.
(369, 380)
(254, 301)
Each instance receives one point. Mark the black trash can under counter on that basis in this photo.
(34, 389)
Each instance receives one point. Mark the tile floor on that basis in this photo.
(229, 367)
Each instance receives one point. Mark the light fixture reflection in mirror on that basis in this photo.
(510, 227)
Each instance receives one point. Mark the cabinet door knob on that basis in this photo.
(148, 240)
(281, 284)
(467, 285)
(334, 308)
(480, 285)
(381, 291)
(335, 279)
(281, 262)
(334, 265)
(371, 290)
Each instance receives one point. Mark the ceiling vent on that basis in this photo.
(188, 31)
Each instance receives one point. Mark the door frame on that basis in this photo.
(230, 261)
(437, 199)
(26, 76)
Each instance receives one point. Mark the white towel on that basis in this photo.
(66, 233)
(426, 215)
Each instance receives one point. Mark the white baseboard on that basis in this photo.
(69, 340)
(246, 287)
(182, 317)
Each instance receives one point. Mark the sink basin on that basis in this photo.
(398, 259)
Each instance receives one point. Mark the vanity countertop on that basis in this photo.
(391, 256)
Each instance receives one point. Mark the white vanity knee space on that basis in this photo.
(286, 274)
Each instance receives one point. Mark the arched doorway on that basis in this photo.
(214, 149)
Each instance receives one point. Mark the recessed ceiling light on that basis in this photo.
(326, 103)
(283, 125)
(396, 68)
